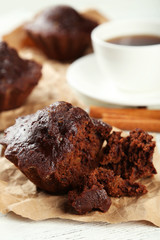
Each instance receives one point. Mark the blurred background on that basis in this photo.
(13, 12)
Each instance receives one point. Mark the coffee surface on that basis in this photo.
(135, 40)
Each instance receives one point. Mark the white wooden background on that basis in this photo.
(16, 228)
(13, 227)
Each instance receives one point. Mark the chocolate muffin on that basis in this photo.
(18, 77)
(61, 149)
(56, 146)
(61, 32)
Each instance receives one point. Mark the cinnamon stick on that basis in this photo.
(124, 116)
(97, 112)
(151, 125)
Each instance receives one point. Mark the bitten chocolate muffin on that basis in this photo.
(56, 146)
(18, 77)
(61, 149)
(61, 32)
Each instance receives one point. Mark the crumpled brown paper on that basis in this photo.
(52, 86)
(19, 195)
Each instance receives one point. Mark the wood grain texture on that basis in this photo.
(67, 230)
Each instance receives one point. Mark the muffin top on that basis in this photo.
(15, 71)
(57, 126)
(55, 146)
(60, 19)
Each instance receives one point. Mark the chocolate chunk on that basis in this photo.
(94, 198)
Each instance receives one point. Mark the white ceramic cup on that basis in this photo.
(130, 68)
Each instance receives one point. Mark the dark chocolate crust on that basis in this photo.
(17, 77)
(55, 146)
(61, 32)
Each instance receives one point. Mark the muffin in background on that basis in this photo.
(18, 77)
(61, 32)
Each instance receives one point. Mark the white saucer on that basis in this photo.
(84, 76)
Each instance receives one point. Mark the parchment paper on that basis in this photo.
(19, 195)
(52, 86)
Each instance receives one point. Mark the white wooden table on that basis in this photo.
(13, 227)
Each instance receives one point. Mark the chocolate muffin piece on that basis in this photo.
(98, 185)
(94, 198)
(116, 186)
(131, 156)
(56, 146)
(61, 32)
(17, 77)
